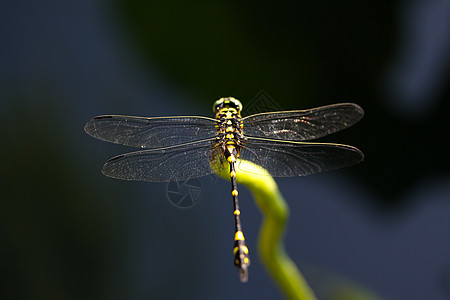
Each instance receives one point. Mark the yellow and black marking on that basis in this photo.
(229, 138)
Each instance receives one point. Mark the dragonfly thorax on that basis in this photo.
(229, 129)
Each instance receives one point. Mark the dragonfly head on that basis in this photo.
(227, 102)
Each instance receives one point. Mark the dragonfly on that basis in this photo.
(184, 147)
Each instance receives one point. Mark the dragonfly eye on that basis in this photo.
(227, 102)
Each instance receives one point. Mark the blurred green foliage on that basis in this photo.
(303, 54)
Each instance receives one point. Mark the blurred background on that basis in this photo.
(68, 232)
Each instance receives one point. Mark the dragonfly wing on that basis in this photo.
(182, 162)
(301, 125)
(288, 159)
(153, 133)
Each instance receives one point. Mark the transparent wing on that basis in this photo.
(287, 159)
(182, 162)
(153, 133)
(301, 125)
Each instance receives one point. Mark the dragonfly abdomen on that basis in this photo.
(229, 137)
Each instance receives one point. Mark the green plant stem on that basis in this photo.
(270, 245)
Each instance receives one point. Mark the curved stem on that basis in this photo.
(270, 245)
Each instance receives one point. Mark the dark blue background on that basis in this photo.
(68, 232)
